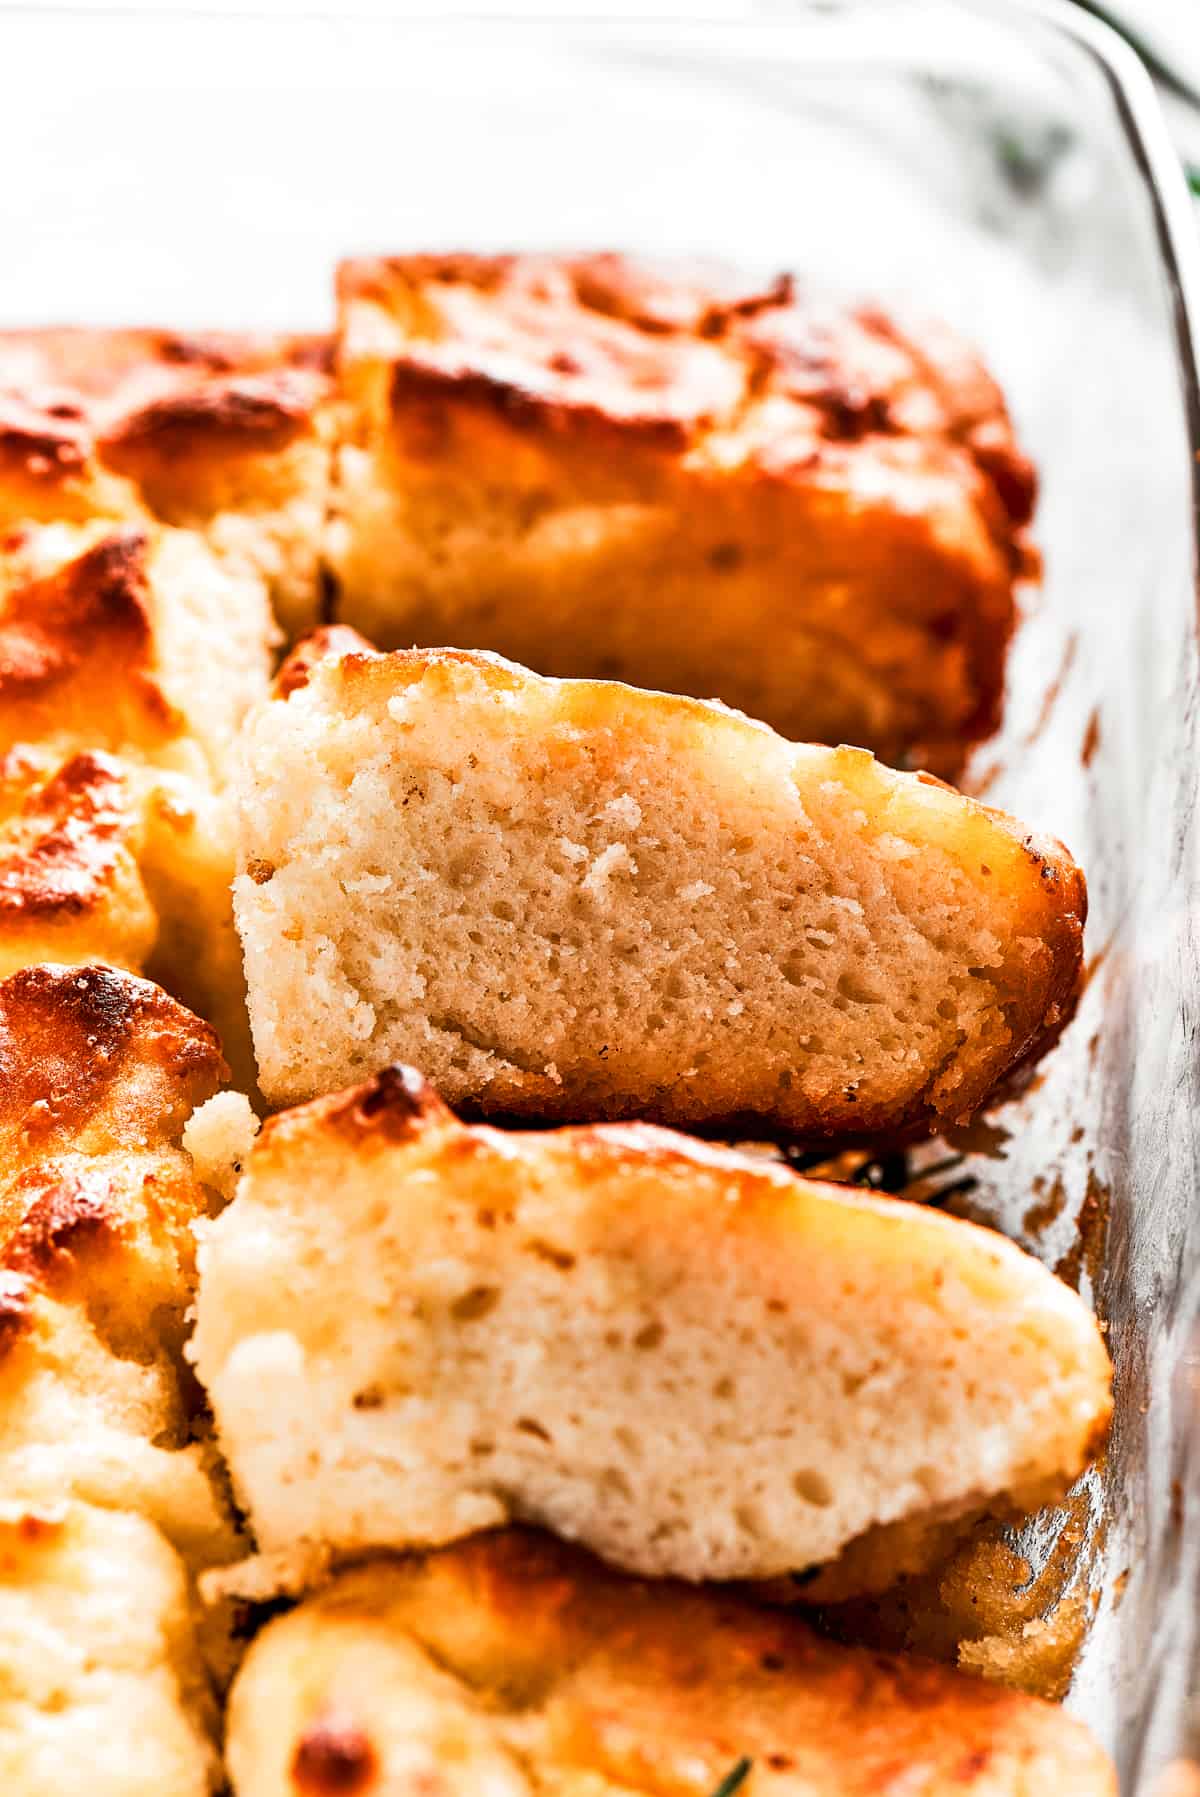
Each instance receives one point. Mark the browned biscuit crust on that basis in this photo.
(99, 1071)
(515, 1665)
(95, 1060)
(220, 433)
(330, 642)
(75, 402)
(684, 480)
(79, 644)
(70, 885)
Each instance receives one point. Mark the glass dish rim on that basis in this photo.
(1177, 229)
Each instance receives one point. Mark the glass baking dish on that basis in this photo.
(1002, 166)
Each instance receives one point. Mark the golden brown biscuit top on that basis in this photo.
(679, 356)
(92, 1059)
(239, 414)
(73, 400)
(602, 1683)
(49, 625)
(122, 368)
(99, 1071)
(517, 335)
(331, 642)
(27, 1535)
(396, 1105)
(43, 436)
(112, 1232)
(333, 1756)
(60, 837)
(81, 639)
(53, 1214)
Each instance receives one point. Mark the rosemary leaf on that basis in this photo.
(734, 1779)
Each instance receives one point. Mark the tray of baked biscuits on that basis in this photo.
(597, 847)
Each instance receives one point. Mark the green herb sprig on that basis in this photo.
(734, 1779)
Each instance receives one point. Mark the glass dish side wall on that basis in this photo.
(975, 160)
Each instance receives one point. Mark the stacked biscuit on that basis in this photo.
(130, 652)
(109, 1508)
(541, 898)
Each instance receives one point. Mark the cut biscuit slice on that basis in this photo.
(227, 435)
(681, 478)
(696, 1363)
(514, 1667)
(102, 1688)
(126, 642)
(575, 900)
